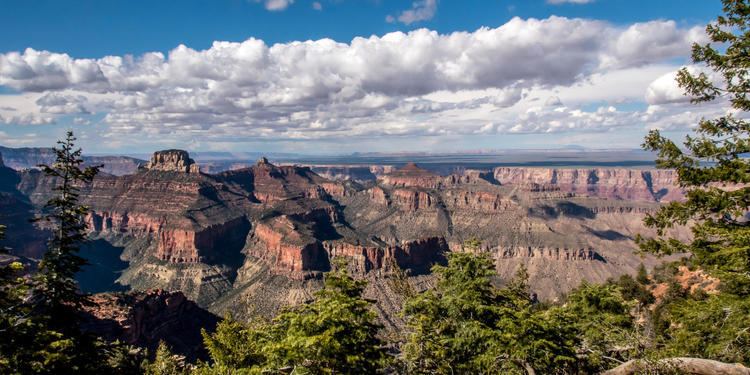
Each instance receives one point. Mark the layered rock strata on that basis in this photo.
(614, 183)
(260, 237)
(416, 254)
(172, 161)
(551, 253)
(147, 318)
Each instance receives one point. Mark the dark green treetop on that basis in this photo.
(56, 276)
(712, 166)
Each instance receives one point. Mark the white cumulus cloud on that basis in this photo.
(402, 83)
(421, 10)
(275, 5)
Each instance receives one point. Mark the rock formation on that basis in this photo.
(172, 161)
(617, 183)
(146, 318)
(411, 175)
(30, 158)
(551, 253)
(16, 211)
(258, 238)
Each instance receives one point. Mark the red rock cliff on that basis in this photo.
(172, 161)
(618, 183)
(416, 254)
(146, 318)
(286, 250)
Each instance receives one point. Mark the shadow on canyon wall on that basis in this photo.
(104, 267)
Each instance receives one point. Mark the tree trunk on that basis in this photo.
(694, 366)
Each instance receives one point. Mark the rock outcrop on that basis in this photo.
(16, 211)
(551, 253)
(172, 161)
(411, 175)
(287, 250)
(418, 255)
(412, 200)
(261, 236)
(146, 318)
(479, 201)
(31, 157)
(613, 183)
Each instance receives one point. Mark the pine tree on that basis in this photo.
(166, 363)
(12, 288)
(14, 320)
(467, 325)
(235, 346)
(39, 315)
(713, 169)
(642, 275)
(604, 325)
(56, 287)
(337, 333)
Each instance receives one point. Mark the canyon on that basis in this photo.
(252, 240)
(145, 318)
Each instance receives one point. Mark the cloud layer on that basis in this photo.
(492, 80)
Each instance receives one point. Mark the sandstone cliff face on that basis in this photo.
(411, 176)
(172, 161)
(378, 196)
(412, 200)
(22, 237)
(478, 201)
(551, 253)
(334, 189)
(417, 254)
(191, 246)
(30, 158)
(239, 236)
(286, 250)
(615, 183)
(146, 318)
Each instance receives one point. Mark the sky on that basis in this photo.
(343, 76)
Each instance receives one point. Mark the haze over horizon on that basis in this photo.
(349, 76)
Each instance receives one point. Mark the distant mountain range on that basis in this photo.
(441, 163)
(31, 157)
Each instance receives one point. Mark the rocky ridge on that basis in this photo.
(148, 317)
(172, 161)
(30, 158)
(258, 238)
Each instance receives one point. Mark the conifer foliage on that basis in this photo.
(56, 284)
(336, 333)
(468, 326)
(38, 314)
(713, 166)
(714, 169)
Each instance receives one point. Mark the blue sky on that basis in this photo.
(93, 28)
(434, 89)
